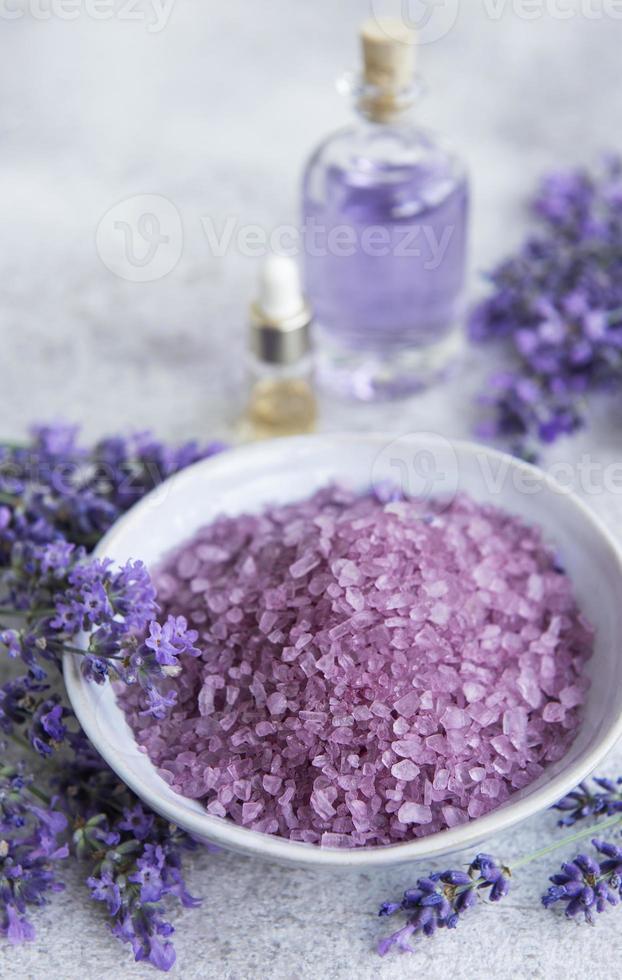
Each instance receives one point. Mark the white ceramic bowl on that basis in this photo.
(245, 480)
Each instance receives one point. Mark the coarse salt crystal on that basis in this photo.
(554, 712)
(272, 784)
(409, 748)
(250, 811)
(321, 804)
(473, 691)
(405, 769)
(477, 773)
(304, 565)
(455, 718)
(407, 705)
(414, 813)
(276, 704)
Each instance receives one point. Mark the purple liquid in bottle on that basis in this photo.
(398, 277)
(385, 257)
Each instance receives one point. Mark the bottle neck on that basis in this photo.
(384, 106)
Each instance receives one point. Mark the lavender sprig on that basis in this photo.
(440, 900)
(133, 880)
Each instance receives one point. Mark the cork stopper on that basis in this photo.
(389, 63)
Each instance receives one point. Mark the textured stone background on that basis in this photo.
(216, 112)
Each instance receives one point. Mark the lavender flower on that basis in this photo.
(440, 900)
(137, 821)
(556, 307)
(61, 597)
(135, 857)
(612, 867)
(587, 886)
(18, 701)
(47, 729)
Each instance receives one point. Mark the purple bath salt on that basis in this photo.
(370, 672)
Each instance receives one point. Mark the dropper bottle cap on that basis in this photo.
(281, 317)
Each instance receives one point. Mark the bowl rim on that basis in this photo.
(223, 832)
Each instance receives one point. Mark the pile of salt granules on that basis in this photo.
(370, 672)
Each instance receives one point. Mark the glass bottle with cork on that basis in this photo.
(385, 213)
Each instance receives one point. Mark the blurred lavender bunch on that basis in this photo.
(56, 500)
(30, 847)
(60, 489)
(584, 802)
(557, 308)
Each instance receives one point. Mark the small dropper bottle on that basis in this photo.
(281, 399)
